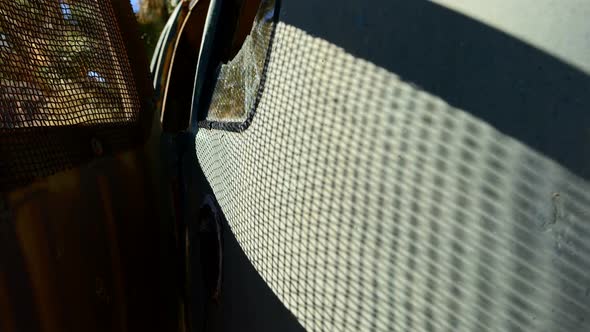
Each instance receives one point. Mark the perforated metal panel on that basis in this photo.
(65, 79)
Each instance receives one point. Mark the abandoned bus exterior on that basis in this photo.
(296, 165)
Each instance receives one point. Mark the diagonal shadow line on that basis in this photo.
(518, 89)
(248, 303)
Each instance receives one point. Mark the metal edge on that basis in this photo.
(236, 126)
(203, 63)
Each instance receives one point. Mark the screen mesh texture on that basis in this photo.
(368, 204)
(65, 77)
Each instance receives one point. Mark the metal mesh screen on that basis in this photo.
(369, 205)
(65, 78)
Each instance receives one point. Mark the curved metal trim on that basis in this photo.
(204, 57)
(238, 126)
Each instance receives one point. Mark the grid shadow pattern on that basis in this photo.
(65, 78)
(367, 204)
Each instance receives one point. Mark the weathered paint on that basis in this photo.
(95, 248)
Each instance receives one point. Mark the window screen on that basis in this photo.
(66, 80)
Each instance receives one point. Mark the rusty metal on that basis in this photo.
(163, 55)
(180, 68)
(85, 249)
(86, 238)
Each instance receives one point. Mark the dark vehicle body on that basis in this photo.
(291, 165)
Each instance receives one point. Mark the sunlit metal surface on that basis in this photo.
(369, 204)
(557, 27)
